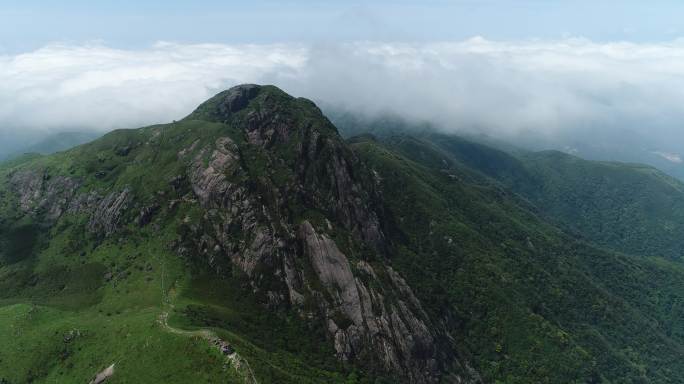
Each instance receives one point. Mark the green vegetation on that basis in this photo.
(543, 268)
(66, 316)
(530, 303)
(631, 208)
(73, 301)
(280, 349)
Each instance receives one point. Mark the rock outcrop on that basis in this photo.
(362, 322)
(41, 194)
(265, 227)
(106, 217)
(48, 198)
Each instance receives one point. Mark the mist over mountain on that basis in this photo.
(17, 145)
(606, 100)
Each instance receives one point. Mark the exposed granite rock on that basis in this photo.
(370, 312)
(47, 197)
(238, 97)
(222, 106)
(333, 270)
(326, 170)
(209, 181)
(84, 203)
(41, 194)
(398, 335)
(107, 216)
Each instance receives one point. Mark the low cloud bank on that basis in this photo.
(97, 87)
(571, 89)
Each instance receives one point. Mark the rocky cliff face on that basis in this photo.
(48, 198)
(288, 204)
(295, 258)
(360, 318)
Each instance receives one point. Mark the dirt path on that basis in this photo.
(104, 375)
(232, 360)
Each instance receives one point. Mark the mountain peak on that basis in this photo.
(237, 97)
(231, 101)
(267, 114)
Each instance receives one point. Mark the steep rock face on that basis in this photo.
(322, 170)
(266, 227)
(47, 197)
(106, 218)
(397, 329)
(38, 193)
(209, 181)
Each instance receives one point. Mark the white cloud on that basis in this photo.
(671, 157)
(563, 87)
(93, 86)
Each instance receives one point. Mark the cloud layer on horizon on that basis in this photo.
(548, 88)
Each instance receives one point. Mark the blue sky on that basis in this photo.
(29, 24)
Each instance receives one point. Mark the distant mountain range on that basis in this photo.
(50, 144)
(625, 146)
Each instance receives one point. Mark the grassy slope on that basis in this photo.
(113, 322)
(58, 285)
(531, 304)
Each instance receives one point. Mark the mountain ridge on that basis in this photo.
(276, 185)
(416, 259)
